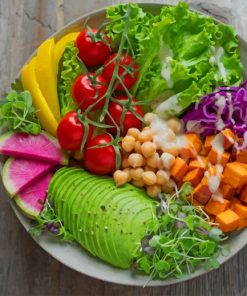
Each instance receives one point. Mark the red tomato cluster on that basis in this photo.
(95, 51)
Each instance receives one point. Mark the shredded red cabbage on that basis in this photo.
(225, 108)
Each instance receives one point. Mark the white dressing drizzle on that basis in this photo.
(171, 105)
(166, 72)
(218, 56)
(220, 102)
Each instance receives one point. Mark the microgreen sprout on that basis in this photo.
(179, 239)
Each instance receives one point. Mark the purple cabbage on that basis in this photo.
(225, 108)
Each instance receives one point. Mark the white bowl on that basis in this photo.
(77, 258)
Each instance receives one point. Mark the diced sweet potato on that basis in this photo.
(228, 138)
(194, 177)
(179, 169)
(242, 156)
(199, 163)
(234, 201)
(214, 158)
(228, 220)
(208, 143)
(243, 195)
(235, 174)
(227, 190)
(194, 202)
(203, 151)
(214, 207)
(193, 147)
(202, 193)
(241, 210)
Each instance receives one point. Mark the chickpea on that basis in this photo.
(149, 117)
(171, 148)
(169, 186)
(136, 160)
(149, 178)
(145, 136)
(175, 125)
(148, 168)
(168, 160)
(138, 183)
(120, 177)
(153, 160)
(138, 147)
(162, 177)
(136, 174)
(170, 136)
(128, 143)
(127, 171)
(148, 149)
(134, 132)
(125, 163)
(153, 190)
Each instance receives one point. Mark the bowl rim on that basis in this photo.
(128, 282)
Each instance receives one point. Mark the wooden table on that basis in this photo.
(24, 268)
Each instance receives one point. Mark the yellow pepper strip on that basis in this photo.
(30, 83)
(61, 45)
(46, 76)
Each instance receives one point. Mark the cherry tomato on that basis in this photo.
(102, 160)
(128, 79)
(86, 94)
(70, 132)
(130, 120)
(90, 52)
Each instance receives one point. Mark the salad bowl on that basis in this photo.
(75, 257)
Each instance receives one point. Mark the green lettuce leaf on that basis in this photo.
(181, 54)
(70, 69)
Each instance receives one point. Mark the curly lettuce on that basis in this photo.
(70, 69)
(182, 55)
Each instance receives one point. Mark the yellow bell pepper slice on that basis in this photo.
(46, 76)
(61, 45)
(30, 83)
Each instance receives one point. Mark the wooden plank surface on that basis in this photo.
(25, 269)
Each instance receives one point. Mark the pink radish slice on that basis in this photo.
(19, 173)
(42, 147)
(31, 200)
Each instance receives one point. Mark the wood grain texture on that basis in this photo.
(25, 269)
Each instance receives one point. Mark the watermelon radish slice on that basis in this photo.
(19, 173)
(31, 200)
(42, 147)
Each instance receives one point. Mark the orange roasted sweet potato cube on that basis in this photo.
(202, 193)
(214, 207)
(194, 202)
(242, 156)
(199, 163)
(208, 143)
(241, 210)
(243, 195)
(235, 174)
(228, 138)
(228, 220)
(227, 190)
(194, 177)
(179, 169)
(192, 147)
(214, 158)
(234, 201)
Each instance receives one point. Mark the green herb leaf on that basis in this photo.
(18, 114)
(211, 263)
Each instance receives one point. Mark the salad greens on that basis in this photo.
(71, 68)
(180, 239)
(17, 112)
(182, 55)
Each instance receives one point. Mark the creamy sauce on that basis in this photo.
(166, 72)
(213, 183)
(217, 54)
(218, 146)
(229, 97)
(220, 103)
(170, 105)
(217, 196)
